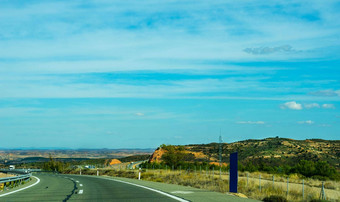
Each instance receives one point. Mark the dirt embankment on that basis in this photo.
(115, 161)
(157, 155)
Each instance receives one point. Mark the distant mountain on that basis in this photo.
(272, 151)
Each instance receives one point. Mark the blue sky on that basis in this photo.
(137, 74)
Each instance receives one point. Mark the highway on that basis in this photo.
(55, 187)
(83, 188)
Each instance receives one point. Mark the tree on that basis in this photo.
(174, 155)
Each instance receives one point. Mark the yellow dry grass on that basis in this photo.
(2, 175)
(212, 181)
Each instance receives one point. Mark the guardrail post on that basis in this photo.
(247, 178)
(260, 182)
(220, 172)
(213, 172)
(323, 194)
(287, 186)
(139, 173)
(303, 189)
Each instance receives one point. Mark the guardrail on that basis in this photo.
(16, 178)
(20, 171)
(13, 181)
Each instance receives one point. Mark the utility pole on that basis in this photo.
(220, 153)
(220, 149)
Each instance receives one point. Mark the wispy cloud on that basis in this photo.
(312, 105)
(328, 92)
(309, 122)
(328, 106)
(251, 122)
(269, 50)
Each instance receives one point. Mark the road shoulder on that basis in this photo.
(188, 193)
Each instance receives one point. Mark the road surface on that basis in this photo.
(53, 187)
(83, 188)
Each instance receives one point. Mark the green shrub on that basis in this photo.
(275, 199)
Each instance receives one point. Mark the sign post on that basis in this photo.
(233, 173)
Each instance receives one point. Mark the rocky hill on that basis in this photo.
(273, 151)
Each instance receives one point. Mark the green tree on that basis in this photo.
(174, 155)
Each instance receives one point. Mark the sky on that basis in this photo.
(137, 74)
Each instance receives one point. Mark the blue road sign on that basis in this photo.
(233, 173)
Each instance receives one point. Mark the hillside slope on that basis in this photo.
(273, 151)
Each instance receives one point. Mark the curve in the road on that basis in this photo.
(12, 192)
(68, 188)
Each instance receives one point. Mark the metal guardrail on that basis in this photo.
(20, 171)
(15, 178)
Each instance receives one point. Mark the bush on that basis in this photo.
(275, 199)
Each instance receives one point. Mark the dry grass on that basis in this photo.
(2, 175)
(214, 182)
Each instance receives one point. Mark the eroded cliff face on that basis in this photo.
(157, 155)
(115, 161)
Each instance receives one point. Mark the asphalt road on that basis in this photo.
(83, 188)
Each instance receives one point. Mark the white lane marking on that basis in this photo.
(182, 192)
(81, 185)
(80, 191)
(155, 190)
(22, 188)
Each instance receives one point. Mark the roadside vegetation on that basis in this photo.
(212, 180)
(176, 156)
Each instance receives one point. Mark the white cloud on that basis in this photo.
(328, 106)
(291, 105)
(251, 122)
(309, 122)
(312, 105)
(139, 114)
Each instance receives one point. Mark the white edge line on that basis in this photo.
(22, 188)
(155, 190)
